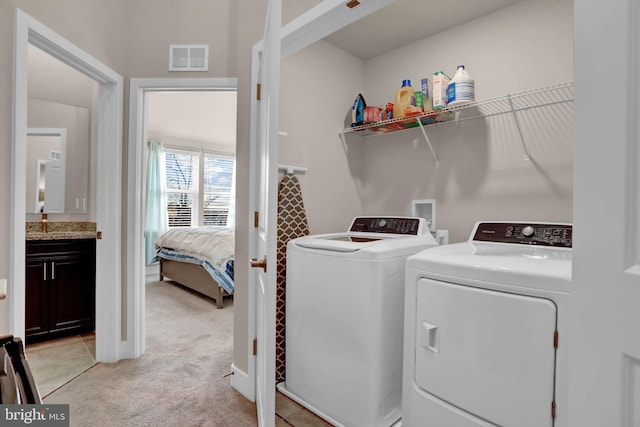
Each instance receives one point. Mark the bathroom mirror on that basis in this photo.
(60, 97)
(46, 169)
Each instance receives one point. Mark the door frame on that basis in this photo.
(27, 31)
(136, 194)
(315, 24)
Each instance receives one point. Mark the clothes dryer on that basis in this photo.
(485, 329)
(344, 319)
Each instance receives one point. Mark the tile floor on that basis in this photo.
(290, 413)
(56, 362)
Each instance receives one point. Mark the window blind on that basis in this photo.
(199, 187)
(218, 176)
(182, 176)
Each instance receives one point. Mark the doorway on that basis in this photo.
(108, 186)
(141, 89)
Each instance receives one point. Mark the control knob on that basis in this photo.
(382, 223)
(528, 231)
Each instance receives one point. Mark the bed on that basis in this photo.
(200, 258)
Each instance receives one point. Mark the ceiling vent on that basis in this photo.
(188, 57)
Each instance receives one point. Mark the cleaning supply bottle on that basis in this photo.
(405, 97)
(461, 88)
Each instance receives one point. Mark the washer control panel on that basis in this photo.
(541, 234)
(391, 225)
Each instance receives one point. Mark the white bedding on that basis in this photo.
(213, 244)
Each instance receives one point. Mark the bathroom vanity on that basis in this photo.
(60, 284)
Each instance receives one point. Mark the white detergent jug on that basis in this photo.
(461, 88)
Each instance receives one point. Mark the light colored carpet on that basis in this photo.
(183, 379)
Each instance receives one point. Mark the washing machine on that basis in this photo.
(344, 319)
(486, 329)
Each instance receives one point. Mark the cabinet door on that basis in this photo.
(37, 297)
(72, 293)
(60, 291)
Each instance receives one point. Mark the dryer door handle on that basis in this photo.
(430, 337)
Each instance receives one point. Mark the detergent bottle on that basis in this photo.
(405, 97)
(460, 90)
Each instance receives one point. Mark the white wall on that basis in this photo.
(317, 84)
(482, 173)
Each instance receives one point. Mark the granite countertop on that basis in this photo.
(60, 230)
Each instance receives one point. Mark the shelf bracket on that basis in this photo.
(517, 122)
(426, 138)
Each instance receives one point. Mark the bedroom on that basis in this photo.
(194, 133)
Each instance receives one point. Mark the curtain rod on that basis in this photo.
(292, 169)
(193, 149)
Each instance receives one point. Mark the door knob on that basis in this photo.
(262, 263)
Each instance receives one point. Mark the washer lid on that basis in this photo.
(342, 242)
(385, 233)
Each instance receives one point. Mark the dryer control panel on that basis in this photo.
(391, 225)
(541, 234)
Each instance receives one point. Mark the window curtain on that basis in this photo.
(156, 221)
(231, 215)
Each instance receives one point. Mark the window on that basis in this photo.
(199, 187)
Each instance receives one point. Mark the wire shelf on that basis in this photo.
(508, 104)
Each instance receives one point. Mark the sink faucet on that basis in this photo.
(44, 225)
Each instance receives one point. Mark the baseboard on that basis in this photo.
(153, 270)
(241, 382)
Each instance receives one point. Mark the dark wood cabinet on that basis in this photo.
(60, 288)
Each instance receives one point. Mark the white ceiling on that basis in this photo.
(405, 21)
(195, 116)
(399, 23)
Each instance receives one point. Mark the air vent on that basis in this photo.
(55, 155)
(188, 57)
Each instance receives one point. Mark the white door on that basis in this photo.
(263, 181)
(604, 387)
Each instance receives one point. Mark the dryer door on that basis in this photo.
(489, 353)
